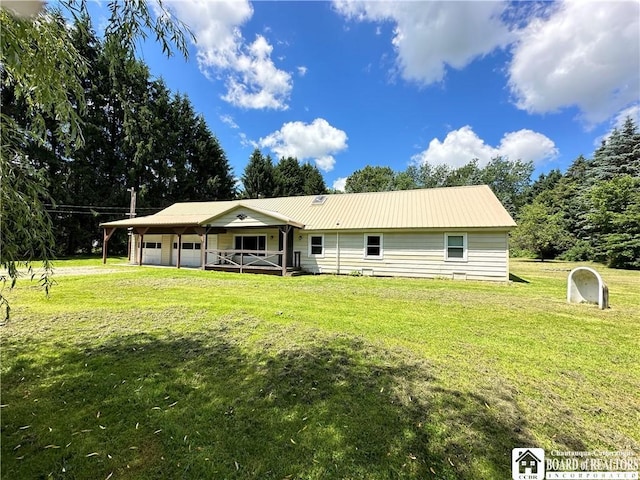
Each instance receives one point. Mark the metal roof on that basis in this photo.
(452, 207)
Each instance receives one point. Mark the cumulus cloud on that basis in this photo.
(429, 36)
(583, 54)
(252, 79)
(340, 183)
(317, 141)
(566, 54)
(463, 145)
(302, 71)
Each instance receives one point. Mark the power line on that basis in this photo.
(95, 207)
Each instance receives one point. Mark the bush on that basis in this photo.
(581, 251)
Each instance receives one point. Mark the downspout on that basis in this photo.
(337, 248)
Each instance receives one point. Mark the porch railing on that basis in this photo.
(242, 259)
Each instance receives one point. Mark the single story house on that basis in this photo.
(457, 232)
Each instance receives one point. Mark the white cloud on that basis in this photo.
(316, 141)
(584, 54)
(228, 120)
(429, 36)
(340, 183)
(618, 121)
(302, 71)
(463, 145)
(633, 111)
(252, 79)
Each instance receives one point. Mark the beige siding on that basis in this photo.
(167, 245)
(409, 254)
(253, 219)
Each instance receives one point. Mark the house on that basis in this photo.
(457, 232)
(528, 463)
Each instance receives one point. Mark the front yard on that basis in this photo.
(163, 373)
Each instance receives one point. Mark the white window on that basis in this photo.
(455, 246)
(316, 245)
(373, 246)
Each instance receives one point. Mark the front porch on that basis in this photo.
(238, 239)
(250, 261)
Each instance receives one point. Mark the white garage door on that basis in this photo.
(190, 255)
(152, 250)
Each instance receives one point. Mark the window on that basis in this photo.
(455, 246)
(151, 245)
(187, 246)
(373, 246)
(251, 242)
(316, 245)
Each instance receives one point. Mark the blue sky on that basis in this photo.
(347, 84)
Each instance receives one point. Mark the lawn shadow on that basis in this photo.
(208, 406)
(517, 279)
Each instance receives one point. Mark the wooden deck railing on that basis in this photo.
(242, 259)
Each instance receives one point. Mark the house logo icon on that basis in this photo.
(527, 463)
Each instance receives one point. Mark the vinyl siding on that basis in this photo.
(252, 219)
(410, 254)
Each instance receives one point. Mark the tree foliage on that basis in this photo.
(540, 231)
(288, 178)
(43, 73)
(370, 179)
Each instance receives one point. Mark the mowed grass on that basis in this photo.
(146, 373)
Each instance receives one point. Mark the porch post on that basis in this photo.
(285, 233)
(179, 250)
(202, 233)
(141, 247)
(107, 232)
(141, 233)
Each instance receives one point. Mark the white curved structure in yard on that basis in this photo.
(585, 285)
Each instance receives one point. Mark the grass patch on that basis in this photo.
(165, 373)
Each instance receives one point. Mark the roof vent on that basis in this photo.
(319, 200)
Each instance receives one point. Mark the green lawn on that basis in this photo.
(147, 373)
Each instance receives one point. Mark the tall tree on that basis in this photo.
(618, 155)
(288, 177)
(258, 177)
(428, 176)
(314, 183)
(370, 179)
(509, 180)
(540, 231)
(615, 220)
(43, 69)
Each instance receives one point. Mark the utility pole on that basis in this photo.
(132, 214)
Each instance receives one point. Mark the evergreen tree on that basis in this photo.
(288, 178)
(615, 220)
(618, 155)
(314, 183)
(258, 177)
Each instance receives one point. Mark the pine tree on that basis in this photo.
(618, 155)
(258, 177)
(314, 183)
(288, 177)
